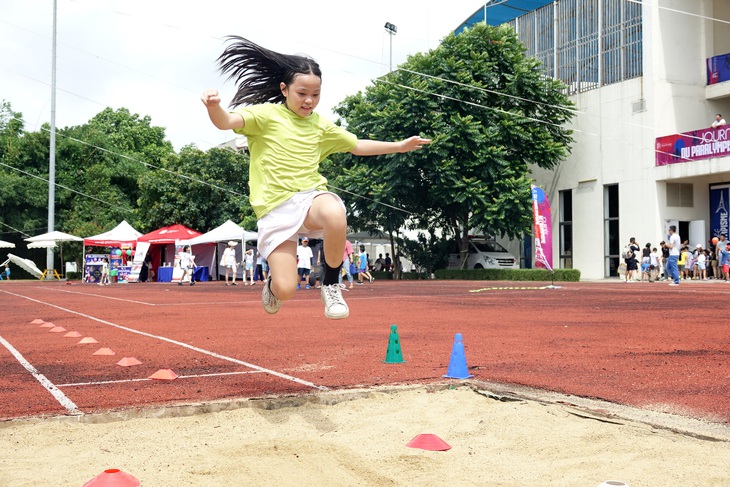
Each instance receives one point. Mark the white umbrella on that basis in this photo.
(6, 245)
(56, 236)
(42, 244)
(26, 264)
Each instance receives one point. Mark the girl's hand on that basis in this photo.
(210, 97)
(413, 143)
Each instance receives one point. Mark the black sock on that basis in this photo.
(331, 274)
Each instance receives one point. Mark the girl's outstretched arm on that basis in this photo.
(375, 147)
(220, 118)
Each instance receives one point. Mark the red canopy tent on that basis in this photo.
(168, 235)
(165, 238)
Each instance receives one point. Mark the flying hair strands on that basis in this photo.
(258, 71)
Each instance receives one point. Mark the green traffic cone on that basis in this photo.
(394, 355)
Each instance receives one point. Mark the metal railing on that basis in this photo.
(585, 43)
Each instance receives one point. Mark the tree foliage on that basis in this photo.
(491, 114)
(198, 189)
(118, 166)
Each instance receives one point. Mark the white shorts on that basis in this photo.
(286, 221)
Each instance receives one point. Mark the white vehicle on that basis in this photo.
(484, 254)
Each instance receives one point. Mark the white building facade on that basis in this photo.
(638, 73)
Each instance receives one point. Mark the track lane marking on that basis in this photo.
(178, 343)
(67, 403)
(121, 381)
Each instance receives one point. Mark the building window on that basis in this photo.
(566, 229)
(585, 43)
(611, 242)
(680, 194)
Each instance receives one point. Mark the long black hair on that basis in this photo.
(258, 71)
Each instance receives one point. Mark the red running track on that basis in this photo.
(644, 345)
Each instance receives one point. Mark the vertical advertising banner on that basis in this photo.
(543, 229)
(719, 209)
(718, 69)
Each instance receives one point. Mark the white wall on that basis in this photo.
(614, 145)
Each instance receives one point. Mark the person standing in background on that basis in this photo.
(654, 258)
(320, 265)
(673, 244)
(229, 260)
(665, 260)
(632, 263)
(304, 262)
(258, 274)
(187, 264)
(248, 268)
(346, 261)
(362, 270)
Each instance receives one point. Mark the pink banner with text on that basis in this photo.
(693, 146)
(543, 229)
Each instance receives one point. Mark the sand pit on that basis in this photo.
(359, 438)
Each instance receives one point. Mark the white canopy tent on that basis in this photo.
(42, 244)
(229, 231)
(48, 240)
(54, 236)
(122, 234)
(6, 245)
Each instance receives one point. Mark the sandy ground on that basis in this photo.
(348, 438)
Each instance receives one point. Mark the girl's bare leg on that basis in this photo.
(326, 214)
(283, 270)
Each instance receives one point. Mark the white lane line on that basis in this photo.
(98, 383)
(181, 344)
(99, 296)
(50, 387)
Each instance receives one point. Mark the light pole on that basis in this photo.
(52, 148)
(391, 30)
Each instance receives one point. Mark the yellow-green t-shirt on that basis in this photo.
(286, 150)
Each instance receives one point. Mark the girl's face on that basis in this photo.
(302, 94)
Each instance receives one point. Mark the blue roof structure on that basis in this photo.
(501, 11)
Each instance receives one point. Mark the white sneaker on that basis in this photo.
(270, 302)
(335, 307)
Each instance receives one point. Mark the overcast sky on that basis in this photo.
(155, 57)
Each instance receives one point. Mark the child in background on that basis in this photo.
(248, 269)
(288, 140)
(105, 272)
(653, 265)
(187, 264)
(702, 265)
(724, 255)
(363, 266)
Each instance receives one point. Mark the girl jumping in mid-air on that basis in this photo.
(287, 141)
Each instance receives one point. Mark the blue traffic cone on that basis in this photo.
(457, 364)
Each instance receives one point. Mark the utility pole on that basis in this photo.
(52, 159)
(391, 30)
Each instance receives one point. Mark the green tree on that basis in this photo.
(491, 113)
(98, 166)
(106, 158)
(198, 189)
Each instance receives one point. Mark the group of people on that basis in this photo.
(674, 260)
(251, 272)
(352, 264)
